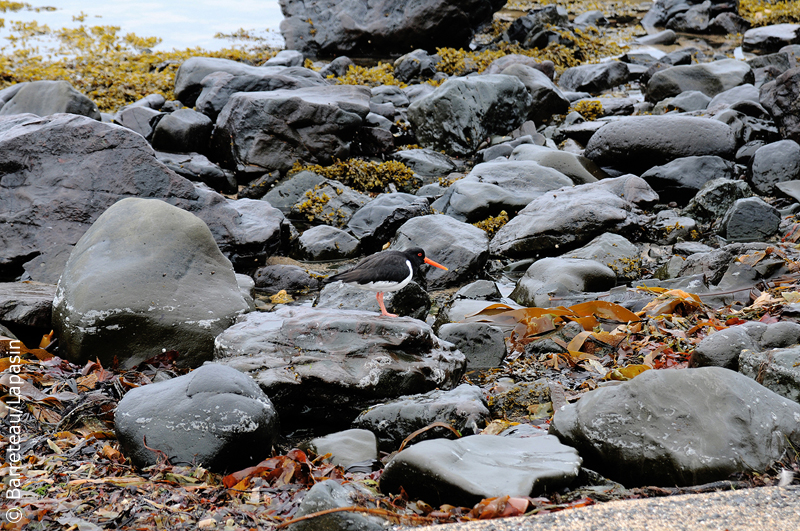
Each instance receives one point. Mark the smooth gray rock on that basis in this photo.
(347, 447)
(182, 131)
(147, 277)
(425, 162)
(778, 370)
(638, 143)
(708, 78)
(577, 167)
(774, 163)
(461, 247)
(271, 279)
(285, 58)
(61, 165)
(326, 366)
(214, 417)
(464, 408)
(741, 93)
(465, 471)
(769, 39)
(561, 276)
(613, 250)
(377, 222)
(411, 301)
(668, 227)
(680, 179)
(274, 129)
(750, 220)
(547, 98)
(780, 98)
(325, 243)
(44, 98)
(289, 192)
(138, 118)
(329, 494)
(458, 115)
(722, 348)
(482, 344)
(594, 78)
(27, 308)
(197, 167)
(570, 217)
(638, 432)
(415, 65)
(690, 100)
(328, 27)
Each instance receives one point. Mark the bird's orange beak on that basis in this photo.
(434, 264)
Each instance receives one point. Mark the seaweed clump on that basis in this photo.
(590, 109)
(381, 74)
(365, 176)
(493, 224)
(767, 13)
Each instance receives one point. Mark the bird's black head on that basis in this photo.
(416, 255)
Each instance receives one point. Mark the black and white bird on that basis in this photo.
(385, 271)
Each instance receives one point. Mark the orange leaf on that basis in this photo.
(577, 342)
(606, 310)
(626, 373)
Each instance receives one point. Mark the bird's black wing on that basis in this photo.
(388, 266)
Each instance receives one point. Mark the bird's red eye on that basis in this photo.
(419, 254)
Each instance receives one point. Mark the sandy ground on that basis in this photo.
(767, 508)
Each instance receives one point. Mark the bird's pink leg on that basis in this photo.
(379, 296)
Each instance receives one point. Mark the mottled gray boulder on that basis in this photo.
(482, 344)
(425, 162)
(326, 366)
(693, 20)
(715, 198)
(218, 87)
(286, 58)
(689, 100)
(274, 129)
(325, 243)
(271, 279)
(722, 348)
(138, 118)
(464, 408)
(26, 307)
(638, 432)
(561, 276)
(346, 447)
(329, 494)
(638, 143)
(778, 370)
(147, 277)
(59, 167)
(669, 226)
(732, 96)
(458, 115)
(461, 247)
(386, 27)
(44, 98)
(197, 167)
(570, 217)
(289, 192)
(415, 65)
(498, 185)
(182, 131)
(411, 301)
(780, 98)
(214, 417)
(377, 222)
(594, 78)
(708, 78)
(577, 167)
(774, 163)
(329, 202)
(769, 39)
(547, 98)
(613, 250)
(465, 471)
(750, 220)
(680, 179)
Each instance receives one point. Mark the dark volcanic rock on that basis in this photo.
(26, 308)
(274, 129)
(197, 167)
(182, 131)
(326, 366)
(768, 39)
(638, 143)
(271, 279)
(561, 276)
(682, 178)
(774, 163)
(594, 78)
(147, 277)
(44, 98)
(58, 168)
(377, 222)
(781, 98)
(638, 432)
(352, 27)
(750, 220)
(325, 243)
(213, 417)
(411, 301)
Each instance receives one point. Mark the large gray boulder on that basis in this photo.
(594, 78)
(769, 39)
(459, 115)
(708, 78)
(44, 98)
(274, 129)
(638, 143)
(69, 169)
(570, 217)
(547, 98)
(214, 417)
(777, 369)
(147, 277)
(684, 427)
(780, 98)
(352, 27)
(561, 276)
(326, 366)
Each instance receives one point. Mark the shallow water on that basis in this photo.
(179, 23)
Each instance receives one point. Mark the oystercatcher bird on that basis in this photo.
(385, 271)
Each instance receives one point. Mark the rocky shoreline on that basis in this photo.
(203, 226)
